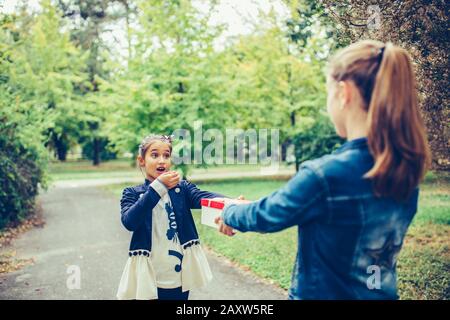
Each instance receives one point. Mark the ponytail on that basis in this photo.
(396, 135)
(396, 138)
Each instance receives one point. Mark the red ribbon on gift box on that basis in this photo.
(212, 204)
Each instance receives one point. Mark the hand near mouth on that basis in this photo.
(170, 179)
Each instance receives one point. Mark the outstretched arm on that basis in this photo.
(194, 195)
(298, 202)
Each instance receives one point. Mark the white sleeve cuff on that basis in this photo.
(159, 187)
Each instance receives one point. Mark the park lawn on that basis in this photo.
(423, 264)
(83, 169)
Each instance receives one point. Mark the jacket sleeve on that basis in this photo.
(300, 201)
(134, 208)
(194, 195)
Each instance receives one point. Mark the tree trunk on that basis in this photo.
(96, 152)
(61, 147)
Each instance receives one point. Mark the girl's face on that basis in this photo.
(335, 106)
(157, 159)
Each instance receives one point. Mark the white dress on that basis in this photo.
(169, 264)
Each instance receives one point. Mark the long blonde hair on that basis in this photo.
(384, 76)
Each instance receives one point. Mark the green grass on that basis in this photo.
(423, 265)
(83, 169)
(424, 262)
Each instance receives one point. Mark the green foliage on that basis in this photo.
(63, 87)
(90, 23)
(310, 22)
(315, 139)
(105, 152)
(43, 67)
(20, 174)
(38, 67)
(175, 77)
(420, 27)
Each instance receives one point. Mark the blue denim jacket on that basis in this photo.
(348, 239)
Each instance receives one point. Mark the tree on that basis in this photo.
(175, 77)
(36, 98)
(45, 69)
(311, 36)
(89, 22)
(421, 27)
(310, 22)
(170, 78)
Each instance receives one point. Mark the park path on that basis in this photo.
(83, 229)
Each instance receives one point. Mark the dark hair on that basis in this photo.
(150, 139)
(383, 74)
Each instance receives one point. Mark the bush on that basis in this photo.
(316, 140)
(20, 174)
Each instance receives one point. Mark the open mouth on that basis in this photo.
(161, 169)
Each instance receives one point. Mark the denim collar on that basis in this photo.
(359, 143)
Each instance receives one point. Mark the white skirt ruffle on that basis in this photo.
(138, 279)
(195, 271)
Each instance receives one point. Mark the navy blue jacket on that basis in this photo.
(138, 202)
(348, 239)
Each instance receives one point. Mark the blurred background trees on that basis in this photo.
(40, 67)
(99, 75)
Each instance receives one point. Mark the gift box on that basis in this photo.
(210, 210)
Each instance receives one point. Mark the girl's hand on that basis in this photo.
(223, 228)
(170, 179)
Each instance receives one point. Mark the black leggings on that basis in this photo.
(172, 294)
